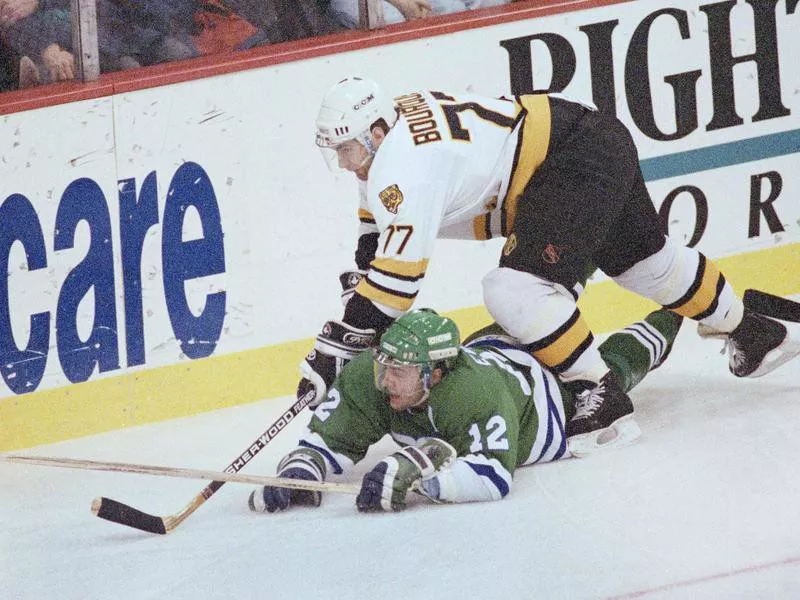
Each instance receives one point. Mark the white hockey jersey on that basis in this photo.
(451, 167)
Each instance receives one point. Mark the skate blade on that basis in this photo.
(709, 333)
(620, 433)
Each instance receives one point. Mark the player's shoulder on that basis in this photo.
(472, 382)
(357, 374)
(361, 363)
(407, 159)
(397, 181)
(403, 139)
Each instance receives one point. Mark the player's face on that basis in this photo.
(351, 155)
(403, 384)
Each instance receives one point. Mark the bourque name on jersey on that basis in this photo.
(419, 117)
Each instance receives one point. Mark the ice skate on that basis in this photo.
(761, 342)
(603, 419)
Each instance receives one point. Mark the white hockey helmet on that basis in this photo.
(348, 111)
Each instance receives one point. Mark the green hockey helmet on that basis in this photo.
(421, 338)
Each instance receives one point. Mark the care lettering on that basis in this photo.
(83, 220)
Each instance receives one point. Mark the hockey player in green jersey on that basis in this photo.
(465, 416)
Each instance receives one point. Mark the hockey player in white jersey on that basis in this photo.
(561, 182)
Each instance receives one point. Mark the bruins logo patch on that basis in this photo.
(391, 198)
(510, 245)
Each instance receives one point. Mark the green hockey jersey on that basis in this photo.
(497, 407)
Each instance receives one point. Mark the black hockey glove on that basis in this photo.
(349, 281)
(336, 344)
(302, 463)
(388, 484)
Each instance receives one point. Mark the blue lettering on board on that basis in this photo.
(22, 370)
(22, 367)
(183, 260)
(83, 200)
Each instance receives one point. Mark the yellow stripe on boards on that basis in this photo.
(152, 395)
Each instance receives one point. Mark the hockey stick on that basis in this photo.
(117, 512)
(772, 306)
(180, 472)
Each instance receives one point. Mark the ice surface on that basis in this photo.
(703, 506)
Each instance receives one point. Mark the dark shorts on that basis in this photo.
(587, 203)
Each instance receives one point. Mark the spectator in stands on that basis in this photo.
(218, 28)
(146, 32)
(8, 71)
(130, 34)
(12, 11)
(398, 11)
(284, 20)
(308, 18)
(36, 33)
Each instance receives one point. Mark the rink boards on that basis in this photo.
(179, 246)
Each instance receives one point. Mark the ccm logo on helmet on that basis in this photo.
(364, 102)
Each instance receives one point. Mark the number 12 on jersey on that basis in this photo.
(495, 435)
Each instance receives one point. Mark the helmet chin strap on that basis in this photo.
(426, 387)
(365, 139)
(422, 400)
(367, 160)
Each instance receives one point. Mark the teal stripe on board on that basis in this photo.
(721, 155)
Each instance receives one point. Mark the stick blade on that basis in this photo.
(117, 512)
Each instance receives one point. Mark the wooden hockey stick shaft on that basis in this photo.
(181, 472)
(117, 512)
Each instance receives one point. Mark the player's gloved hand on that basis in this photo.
(349, 281)
(336, 344)
(302, 463)
(385, 487)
